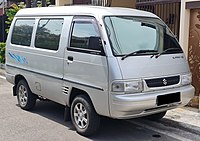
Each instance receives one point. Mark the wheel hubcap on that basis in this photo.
(23, 96)
(80, 115)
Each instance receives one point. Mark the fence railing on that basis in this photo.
(167, 10)
(93, 2)
(101, 2)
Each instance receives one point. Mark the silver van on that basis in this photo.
(96, 61)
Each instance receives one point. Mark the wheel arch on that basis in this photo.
(75, 92)
(18, 78)
(16, 81)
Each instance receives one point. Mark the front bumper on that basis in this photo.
(128, 106)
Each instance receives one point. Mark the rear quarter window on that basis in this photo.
(22, 32)
(48, 33)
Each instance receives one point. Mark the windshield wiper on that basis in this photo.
(167, 50)
(137, 52)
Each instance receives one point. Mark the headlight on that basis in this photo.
(186, 79)
(127, 86)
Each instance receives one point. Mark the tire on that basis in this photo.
(83, 116)
(157, 116)
(25, 97)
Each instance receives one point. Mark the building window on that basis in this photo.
(48, 33)
(22, 32)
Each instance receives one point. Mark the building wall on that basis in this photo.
(123, 3)
(63, 2)
(184, 26)
(1, 11)
(190, 41)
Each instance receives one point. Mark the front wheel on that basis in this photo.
(83, 116)
(25, 97)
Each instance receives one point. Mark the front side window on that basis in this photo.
(82, 33)
(139, 36)
(48, 33)
(22, 32)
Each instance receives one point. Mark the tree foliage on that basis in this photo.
(2, 52)
(10, 12)
(40, 3)
(14, 8)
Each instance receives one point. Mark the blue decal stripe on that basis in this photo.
(18, 58)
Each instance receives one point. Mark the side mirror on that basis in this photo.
(95, 43)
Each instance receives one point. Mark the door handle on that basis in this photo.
(70, 59)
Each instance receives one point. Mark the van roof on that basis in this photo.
(81, 10)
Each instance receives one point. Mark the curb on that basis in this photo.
(194, 102)
(2, 69)
(2, 66)
(185, 117)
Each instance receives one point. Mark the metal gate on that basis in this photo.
(167, 10)
(194, 49)
(2, 28)
(93, 2)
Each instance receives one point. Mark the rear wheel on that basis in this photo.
(25, 97)
(157, 116)
(83, 116)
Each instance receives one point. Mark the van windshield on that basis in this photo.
(139, 36)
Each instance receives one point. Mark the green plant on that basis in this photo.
(14, 8)
(2, 52)
(11, 13)
(39, 3)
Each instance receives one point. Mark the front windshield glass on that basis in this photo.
(131, 34)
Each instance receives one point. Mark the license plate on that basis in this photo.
(168, 98)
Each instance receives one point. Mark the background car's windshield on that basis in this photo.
(130, 34)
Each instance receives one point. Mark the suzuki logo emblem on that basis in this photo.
(164, 81)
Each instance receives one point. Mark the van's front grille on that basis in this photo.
(164, 81)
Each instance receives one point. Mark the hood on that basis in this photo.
(146, 67)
